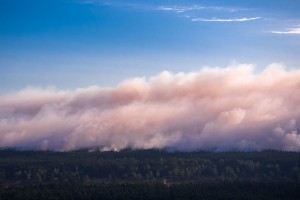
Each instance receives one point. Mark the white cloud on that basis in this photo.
(291, 31)
(180, 9)
(225, 20)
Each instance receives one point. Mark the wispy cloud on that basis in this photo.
(180, 9)
(290, 31)
(190, 13)
(225, 20)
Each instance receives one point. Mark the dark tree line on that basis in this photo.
(149, 174)
(214, 191)
(33, 167)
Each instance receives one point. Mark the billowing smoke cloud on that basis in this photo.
(215, 108)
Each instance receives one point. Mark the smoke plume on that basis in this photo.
(215, 108)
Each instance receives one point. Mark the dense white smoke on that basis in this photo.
(215, 108)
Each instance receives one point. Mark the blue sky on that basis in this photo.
(78, 43)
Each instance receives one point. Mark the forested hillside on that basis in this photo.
(33, 167)
(149, 174)
(151, 191)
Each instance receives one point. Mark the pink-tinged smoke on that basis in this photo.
(215, 108)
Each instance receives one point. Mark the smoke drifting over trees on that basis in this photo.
(214, 108)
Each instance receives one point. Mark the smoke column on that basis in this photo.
(215, 108)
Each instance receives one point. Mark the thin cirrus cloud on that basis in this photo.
(180, 9)
(229, 108)
(225, 20)
(188, 9)
(291, 31)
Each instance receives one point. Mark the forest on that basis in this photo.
(151, 174)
